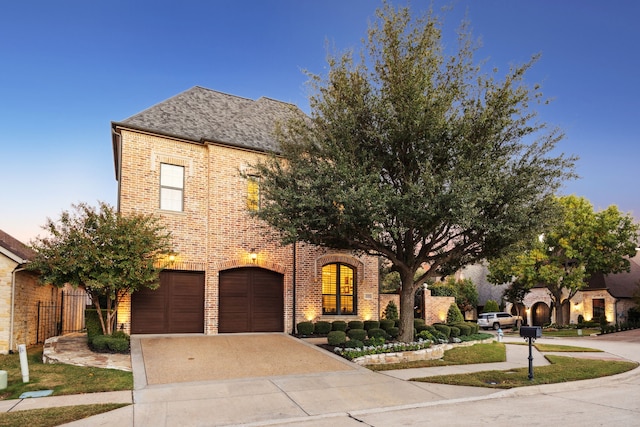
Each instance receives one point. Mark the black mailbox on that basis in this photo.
(530, 331)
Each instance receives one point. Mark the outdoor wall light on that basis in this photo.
(253, 255)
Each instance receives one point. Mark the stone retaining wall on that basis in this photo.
(431, 353)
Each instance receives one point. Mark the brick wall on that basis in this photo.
(436, 308)
(215, 231)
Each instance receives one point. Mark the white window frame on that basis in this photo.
(172, 187)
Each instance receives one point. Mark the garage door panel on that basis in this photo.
(251, 300)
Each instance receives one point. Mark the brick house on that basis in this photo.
(182, 161)
(19, 293)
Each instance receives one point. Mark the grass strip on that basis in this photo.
(477, 353)
(62, 379)
(562, 369)
(565, 348)
(51, 417)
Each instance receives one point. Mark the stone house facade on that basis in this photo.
(183, 160)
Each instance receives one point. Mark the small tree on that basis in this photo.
(454, 315)
(109, 254)
(391, 311)
(490, 307)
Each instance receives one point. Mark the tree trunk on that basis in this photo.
(557, 306)
(407, 301)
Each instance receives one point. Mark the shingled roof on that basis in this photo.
(204, 115)
(14, 249)
(620, 285)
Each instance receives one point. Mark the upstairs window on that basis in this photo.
(171, 187)
(253, 193)
(338, 289)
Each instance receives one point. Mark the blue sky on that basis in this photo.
(68, 68)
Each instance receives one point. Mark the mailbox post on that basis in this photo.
(530, 333)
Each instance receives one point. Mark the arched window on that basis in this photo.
(338, 289)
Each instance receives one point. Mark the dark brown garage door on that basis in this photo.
(251, 300)
(177, 306)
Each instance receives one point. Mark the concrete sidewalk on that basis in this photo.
(346, 397)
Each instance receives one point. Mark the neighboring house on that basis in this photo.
(182, 161)
(19, 293)
(608, 294)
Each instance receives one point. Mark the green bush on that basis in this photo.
(356, 324)
(418, 322)
(371, 324)
(426, 335)
(443, 329)
(391, 311)
(454, 315)
(490, 307)
(374, 342)
(118, 345)
(354, 343)
(386, 324)
(455, 332)
(92, 323)
(393, 332)
(305, 328)
(99, 342)
(339, 325)
(377, 333)
(322, 327)
(465, 330)
(474, 327)
(336, 338)
(357, 334)
(121, 334)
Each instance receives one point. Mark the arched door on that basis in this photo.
(541, 314)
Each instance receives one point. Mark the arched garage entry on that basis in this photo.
(176, 306)
(540, 314)
(251, 300)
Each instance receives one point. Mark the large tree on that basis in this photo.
(414, 155)
(109, 254)
(581, 243)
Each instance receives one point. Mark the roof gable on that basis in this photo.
(620, 285)
(14, 249)
(205, 115)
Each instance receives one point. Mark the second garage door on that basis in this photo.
(251, 300)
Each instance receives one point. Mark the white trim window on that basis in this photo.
(171, 187)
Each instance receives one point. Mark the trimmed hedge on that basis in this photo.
(305, 328)
(322, 327)
(455, 331)
(92, 323)
(336, 338)
(393, 332)
(464, 328)
(339, 325)
(356, 324)
(357, 334)
(443, 329)
(371, 324)
(418, 322)
(377, 333)
(386, 324)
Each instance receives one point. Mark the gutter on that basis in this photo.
(13, 303)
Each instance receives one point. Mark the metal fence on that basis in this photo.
(63, 316)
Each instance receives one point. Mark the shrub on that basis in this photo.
(465, 330)
(454, 315)
(336, 337)
(305, 328)
(418, 322)
(99, 342)
(455, 332)
(322, 327)
(92, 323)
(357, 334)
(580, 319)
(426, 335)
(371, 324)
(374, 342)
(443, 329)
(386, 324)
(490, 306)
(391, 312)
(339, 325)
(356, 324)
(354, 343)
(118, 345)
(474, 327)
(393, 332)
(377, 333)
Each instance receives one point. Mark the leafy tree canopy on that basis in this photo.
(415, 155)
(464, 291)
(109, 254)
(581, 243)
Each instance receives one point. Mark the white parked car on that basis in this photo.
(498, 320)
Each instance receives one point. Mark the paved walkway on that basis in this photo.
(358, 397)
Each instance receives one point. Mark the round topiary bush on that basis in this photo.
(305, 328)
(322, 327)
(118, 345)
(393, 332)
(377, 333)
(336, 338)
(371, 324)
(386, 324)
(418, 322)
(465, 330)
(357, 334)
(356, 324)
(443, 329)
(455, 331)
(99, 343)
(339, 325)
(354, 343)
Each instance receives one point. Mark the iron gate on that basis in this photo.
(61, 318)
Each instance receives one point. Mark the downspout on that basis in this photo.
(293, 326)
(117, 146)
(13, 304)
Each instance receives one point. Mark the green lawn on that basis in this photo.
(51, 417)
